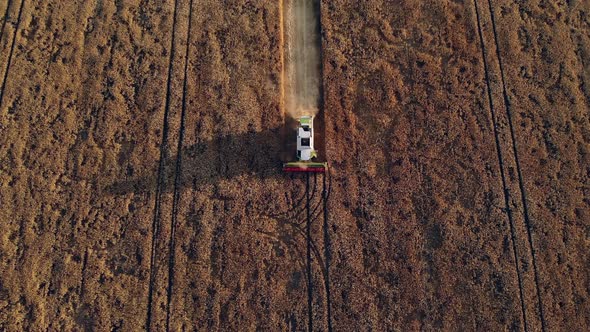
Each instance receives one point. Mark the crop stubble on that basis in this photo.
(419, 233)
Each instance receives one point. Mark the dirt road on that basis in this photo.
(140, 183)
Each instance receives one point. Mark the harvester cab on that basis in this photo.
(305, 150)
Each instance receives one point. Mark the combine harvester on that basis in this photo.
(305, 150)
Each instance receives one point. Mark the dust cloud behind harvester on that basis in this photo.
(301, 62)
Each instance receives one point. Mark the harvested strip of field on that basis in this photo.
(302, 57)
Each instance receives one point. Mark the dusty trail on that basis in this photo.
(302, 57)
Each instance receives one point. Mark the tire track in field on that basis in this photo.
(160, 177)
(178, 171)
(501, 165)
(83, 275)
(312, 216)
(518, 168)
(298, 208)
(326, 185)
(327, 253)
(309, 272)
(21, 229)
(9, 61)
(8, 5)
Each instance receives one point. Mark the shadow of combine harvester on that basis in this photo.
(208, 161)
(261, 154)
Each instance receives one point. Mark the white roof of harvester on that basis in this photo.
(305, 150)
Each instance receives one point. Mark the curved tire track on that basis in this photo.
(309, 272)
(324, 263)
(327, 248)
